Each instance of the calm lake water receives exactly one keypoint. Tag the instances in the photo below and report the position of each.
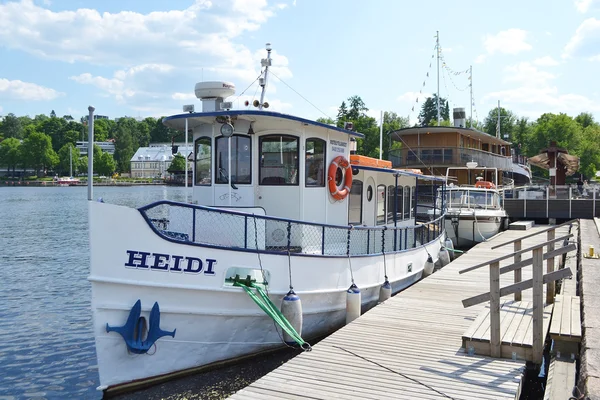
(46, 342)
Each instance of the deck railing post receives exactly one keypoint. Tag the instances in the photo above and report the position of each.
(495, 337)
(594, 202)
(547, 201)
(525, 203)
(538, 304)
(550, 286)
(570, 197)
(517, 272)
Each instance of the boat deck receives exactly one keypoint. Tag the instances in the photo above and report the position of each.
(410, 346)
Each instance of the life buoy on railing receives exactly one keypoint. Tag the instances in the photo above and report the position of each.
(343, 164)
(485, 184)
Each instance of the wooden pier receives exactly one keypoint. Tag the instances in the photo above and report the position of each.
(411, 346)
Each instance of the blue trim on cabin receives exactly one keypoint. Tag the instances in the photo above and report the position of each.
(260, 113)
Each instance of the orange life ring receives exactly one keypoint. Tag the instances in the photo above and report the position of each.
(485, 184)
(337, 193)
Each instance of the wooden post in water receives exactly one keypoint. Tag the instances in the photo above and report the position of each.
(517, 272)
(538, 304)
(495, 337)
(551, 285)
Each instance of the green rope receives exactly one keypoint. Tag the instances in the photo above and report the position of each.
(263, 301)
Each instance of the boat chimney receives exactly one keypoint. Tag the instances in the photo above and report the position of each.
(212, 95)
(460, 117)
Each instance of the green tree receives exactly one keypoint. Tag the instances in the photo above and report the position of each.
(82, 165)
(342, 112)
(11, 127)
(391, 123)
(507, 123)
(104, 164)
(560, 128)
(589, 151)
(429, 110)
(177, 165)
(585, 120)
(64, 164)
(10, 154)
(52, 114)
(53, 127)
(38, 153)
(124, 144)
(327, 120)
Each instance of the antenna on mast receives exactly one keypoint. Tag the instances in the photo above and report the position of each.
(437, 47)
(262, 81)
(471, 87)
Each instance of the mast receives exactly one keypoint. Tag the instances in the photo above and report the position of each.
(471, 87)
(437, 47)
(70, 162)
(498, 123)
(265, 62)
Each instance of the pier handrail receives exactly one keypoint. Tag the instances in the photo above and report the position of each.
(537, 283)
(536, 233)
(483, 264)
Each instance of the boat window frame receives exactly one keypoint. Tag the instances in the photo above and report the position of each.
(210, 166)
(261, 140)
(355, 184)
(384, 215)
(323, 169)
(234, 177)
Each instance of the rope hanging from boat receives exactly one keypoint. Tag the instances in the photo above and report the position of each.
(289, 237)
(348, 254)
(385, 275)
(262, 300)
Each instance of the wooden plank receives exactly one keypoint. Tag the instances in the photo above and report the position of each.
(498, 259)
(576, 317)
(511, 330)
(538, 305)
(481, 319)
(522, 329)
(495, 337)
(527, 284)
(517, 275)
(555, 325)
(550, 286)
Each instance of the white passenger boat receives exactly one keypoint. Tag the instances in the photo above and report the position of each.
(278, 202)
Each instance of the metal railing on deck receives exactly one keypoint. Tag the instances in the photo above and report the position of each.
(417, 156)
(559, 201)
(537, 283)
(227, 229)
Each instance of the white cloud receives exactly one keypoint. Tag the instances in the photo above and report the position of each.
(510, 41)
(19, 90)
(586, 41)
(480, 59)
(534, 93)
(546, 61)
(584, 6)
(411, 97)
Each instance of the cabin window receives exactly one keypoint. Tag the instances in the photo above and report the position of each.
(355, 203)
(315, 163)
(406, 202)
(241, 156)
(278, 160)
(414, 202)
(203, 149)
(369, 193)
(390, 204)
(399, 205)
(381, 205)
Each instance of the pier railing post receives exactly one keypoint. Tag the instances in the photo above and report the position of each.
(547, 201)
(517, 272)
(538, 304)
(550, 286)
(495, 337)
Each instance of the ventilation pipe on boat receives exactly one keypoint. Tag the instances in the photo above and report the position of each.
(449, 245)
(352, 303)
(428, 267)
(212, 95)
(291, 308)
(460, 117)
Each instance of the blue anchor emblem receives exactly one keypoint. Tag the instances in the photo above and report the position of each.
(132, 330)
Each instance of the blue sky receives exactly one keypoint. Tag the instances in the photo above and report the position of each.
(143, 58)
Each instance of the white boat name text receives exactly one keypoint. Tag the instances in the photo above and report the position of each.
(167, 262)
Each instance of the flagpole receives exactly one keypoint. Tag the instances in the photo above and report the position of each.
(381, 137)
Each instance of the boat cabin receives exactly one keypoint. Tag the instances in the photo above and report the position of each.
(282, 166)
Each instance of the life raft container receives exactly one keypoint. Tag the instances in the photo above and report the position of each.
(336, 192)
(485, 184)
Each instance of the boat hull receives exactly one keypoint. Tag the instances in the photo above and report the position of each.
(466, 231)
(214, 320)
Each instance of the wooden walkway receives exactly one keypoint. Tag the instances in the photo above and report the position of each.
(410, 346)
